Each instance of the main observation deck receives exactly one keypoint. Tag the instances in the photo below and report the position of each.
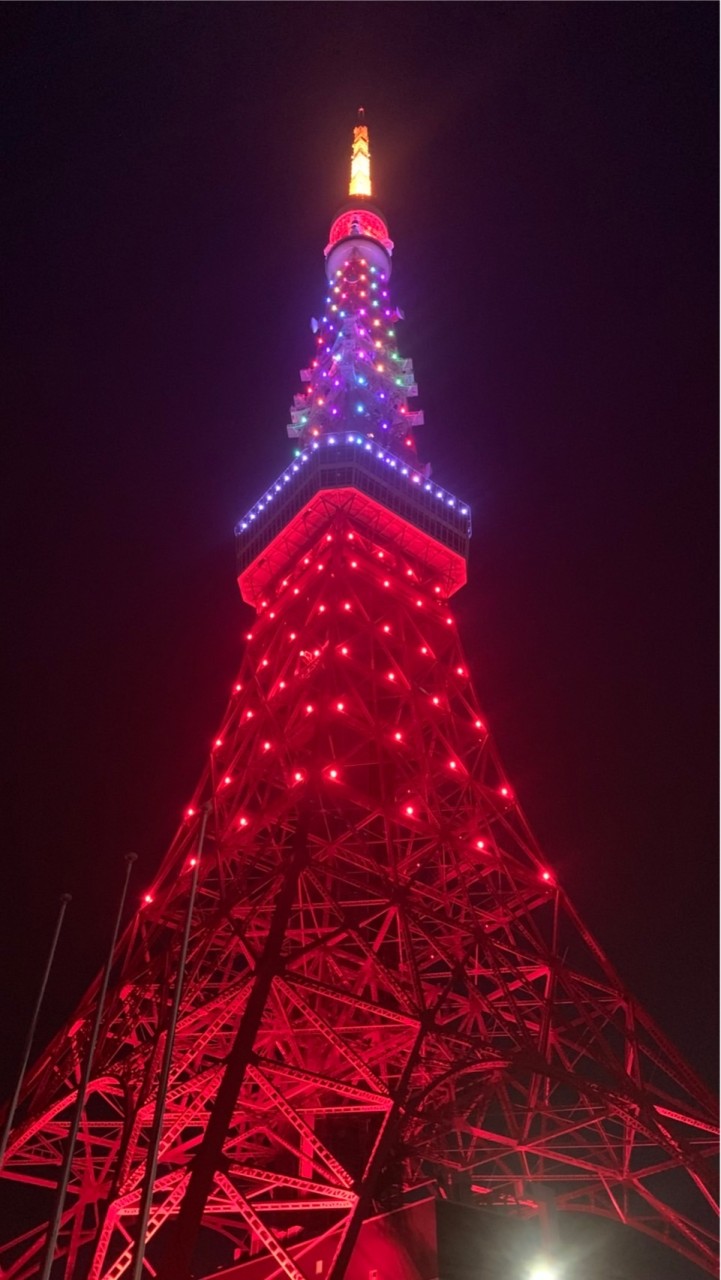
(375, 487)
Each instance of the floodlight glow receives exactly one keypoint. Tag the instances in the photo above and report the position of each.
(544, 1271)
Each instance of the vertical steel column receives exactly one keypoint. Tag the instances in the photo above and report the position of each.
(151, 1162)
(64, 900)
(175, 1265)
(342, 1258)
(54, 1228)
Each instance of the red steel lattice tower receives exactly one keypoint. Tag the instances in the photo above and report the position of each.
(385, 985)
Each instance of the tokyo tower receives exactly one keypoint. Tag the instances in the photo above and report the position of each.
(355, 978)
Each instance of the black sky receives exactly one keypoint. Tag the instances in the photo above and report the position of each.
(549, 172)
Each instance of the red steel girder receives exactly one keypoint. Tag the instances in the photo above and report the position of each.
(433, 990)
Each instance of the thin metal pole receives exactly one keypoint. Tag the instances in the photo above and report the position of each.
(176, 1262)
(64, 900)
(62, 1187)
(151, 1163)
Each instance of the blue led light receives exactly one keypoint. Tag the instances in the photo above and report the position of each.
(395, 463)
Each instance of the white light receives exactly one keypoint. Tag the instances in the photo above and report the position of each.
(544, 1271)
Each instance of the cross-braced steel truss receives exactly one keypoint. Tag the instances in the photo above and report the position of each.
(432, 1006)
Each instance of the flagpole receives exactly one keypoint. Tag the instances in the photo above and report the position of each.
(62, 1187)
(64, 900)
(151, 1165)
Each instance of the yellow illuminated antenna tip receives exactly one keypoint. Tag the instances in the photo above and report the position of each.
(360, 164)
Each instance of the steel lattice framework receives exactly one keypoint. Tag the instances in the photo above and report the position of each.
(385, 984)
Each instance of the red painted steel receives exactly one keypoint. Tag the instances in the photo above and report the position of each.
(433, 927)
(435, 1009)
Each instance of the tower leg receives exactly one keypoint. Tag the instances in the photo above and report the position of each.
(176, 1263)
(375, 1164)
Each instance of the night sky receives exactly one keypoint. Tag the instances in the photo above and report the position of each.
(549, 175)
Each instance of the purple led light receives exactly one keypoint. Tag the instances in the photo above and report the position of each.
(413, 476)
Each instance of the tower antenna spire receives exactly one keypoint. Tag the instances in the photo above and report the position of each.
(360, 165)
